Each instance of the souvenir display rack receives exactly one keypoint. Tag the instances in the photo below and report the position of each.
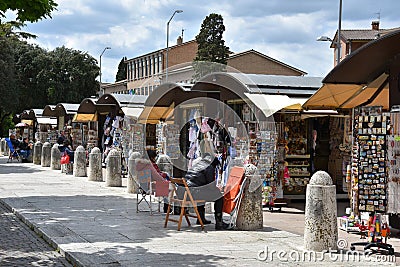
(393, 152)
(137, 138)
(84, 133)
(297, 158)
(172, 141)
(371, 128)
(91, 135)
(160, 137)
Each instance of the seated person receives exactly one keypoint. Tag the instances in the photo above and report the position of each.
(152, 154)
(202, 183)
(14, 141)
(66, 148)
(25, 148)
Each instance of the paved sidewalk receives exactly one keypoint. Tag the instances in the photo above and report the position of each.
(94, 225)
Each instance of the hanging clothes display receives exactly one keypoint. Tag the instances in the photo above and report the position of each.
(393, 152)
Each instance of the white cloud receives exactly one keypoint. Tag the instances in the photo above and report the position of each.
(283, 29)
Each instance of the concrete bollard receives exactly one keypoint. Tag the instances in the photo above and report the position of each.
(79, 168)
(46, 155)
(132, 179)
(113, 168)
(320, 232)
(55, 158)
(95, 172)
(250, 214)
(37, 153)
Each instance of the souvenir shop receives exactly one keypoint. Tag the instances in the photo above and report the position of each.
(285, 147)
(373, 175)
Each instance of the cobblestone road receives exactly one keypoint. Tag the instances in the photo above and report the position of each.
(20, 246)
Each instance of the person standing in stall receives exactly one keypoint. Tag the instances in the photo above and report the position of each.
(106, 143)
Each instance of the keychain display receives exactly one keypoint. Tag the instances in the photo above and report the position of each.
(370, 157)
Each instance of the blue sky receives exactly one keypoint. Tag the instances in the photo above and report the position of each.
(282, 29)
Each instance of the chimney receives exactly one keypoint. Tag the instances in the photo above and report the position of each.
(375, 25)
(179, 41)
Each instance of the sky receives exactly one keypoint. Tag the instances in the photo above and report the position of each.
(285, 30)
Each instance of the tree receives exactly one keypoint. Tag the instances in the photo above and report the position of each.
(32, 10)
(211, 47)
(121, 73)
(70, 76)
(8, 92)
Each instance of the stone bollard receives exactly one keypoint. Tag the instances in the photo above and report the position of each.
(46, 155)
(95, 172)
(2, 147)
(132, 179)
(250, 214)
(165, 164)
(320, 232)
(113, 168)
(37, 153)
(79, 169)
(55, 158)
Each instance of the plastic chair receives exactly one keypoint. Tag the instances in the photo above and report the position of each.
(186, 201)
(14, 154)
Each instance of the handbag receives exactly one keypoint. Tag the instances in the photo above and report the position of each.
(64, 158)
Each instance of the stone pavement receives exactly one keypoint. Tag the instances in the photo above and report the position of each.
(94, 225)
(20, 246)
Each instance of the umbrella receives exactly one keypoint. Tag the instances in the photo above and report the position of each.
(21, 124)
(362, 78)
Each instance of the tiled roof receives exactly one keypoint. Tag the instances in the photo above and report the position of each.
(366, 35)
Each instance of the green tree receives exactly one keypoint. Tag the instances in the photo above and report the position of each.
(211, 47)
(121, 73)
(70, 76)
(32, 10)
(30, 60)
(8, 92)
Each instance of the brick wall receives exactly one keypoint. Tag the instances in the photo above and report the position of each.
(256, 64)
(182, 54)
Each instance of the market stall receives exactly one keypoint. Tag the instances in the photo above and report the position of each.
(84, 125)
(240, 111)
(366, 83)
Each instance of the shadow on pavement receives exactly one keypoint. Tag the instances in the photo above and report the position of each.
(8, 168)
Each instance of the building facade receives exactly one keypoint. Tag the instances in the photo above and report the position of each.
(146, 72)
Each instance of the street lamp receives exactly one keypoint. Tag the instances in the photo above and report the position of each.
(166, 55)
(100, 65)
(338, 44)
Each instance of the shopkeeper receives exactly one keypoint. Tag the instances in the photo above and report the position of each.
(106, 143)
(201, 180)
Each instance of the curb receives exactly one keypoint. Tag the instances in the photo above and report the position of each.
(65, 234)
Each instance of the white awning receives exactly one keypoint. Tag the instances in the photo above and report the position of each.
(269, 104)
(46, 120)
(132, 112)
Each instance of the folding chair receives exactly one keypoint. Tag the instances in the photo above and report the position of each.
(144, 189)
(13, 154)
(186, 201)
(233, 194)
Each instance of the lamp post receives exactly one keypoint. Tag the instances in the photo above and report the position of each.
(166, 55)
(338, 44)
(100, 65)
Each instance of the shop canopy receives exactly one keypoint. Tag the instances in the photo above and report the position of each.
(132, 112)
(49, 111)
(269, 104)
(81, 117)
(87, 106)
(362, 78)
(60, 110)
(46, 120)
(113, 103)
